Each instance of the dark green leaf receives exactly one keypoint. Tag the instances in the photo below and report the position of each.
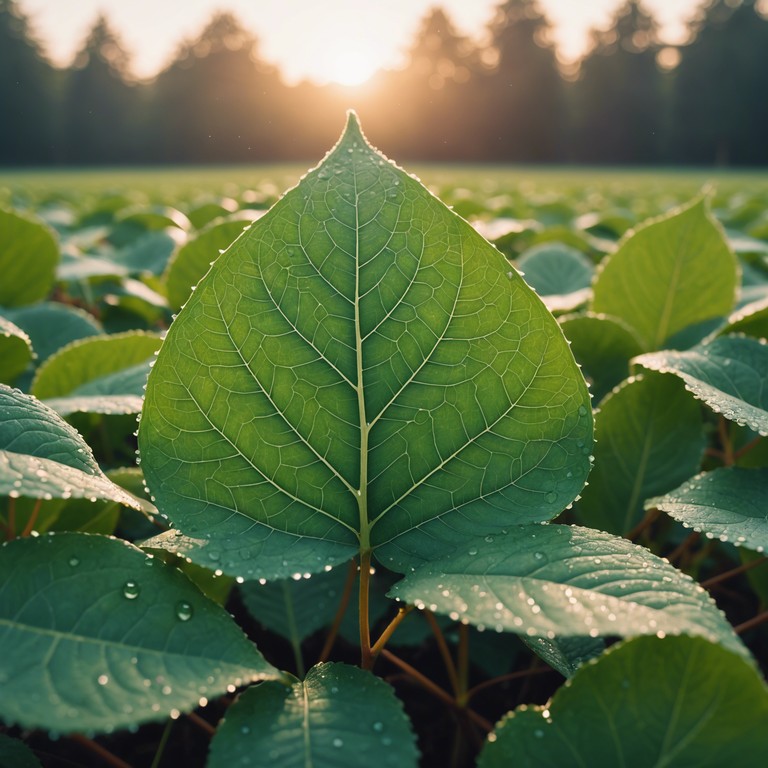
(339, 717)
(678, 702)
(728, 374)
(16, 754)
(96, 635)
(637, 455)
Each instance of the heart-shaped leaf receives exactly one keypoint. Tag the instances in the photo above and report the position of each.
(729, 503)
(678, 701)
(97, 635)
(332, 719)
(557, 580)
(360, 370)
(728, 374)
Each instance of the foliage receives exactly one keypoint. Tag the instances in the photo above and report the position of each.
(366, 442)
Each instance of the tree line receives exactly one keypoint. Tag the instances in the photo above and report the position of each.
(631, 100)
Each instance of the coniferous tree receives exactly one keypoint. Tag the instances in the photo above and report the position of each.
(522, 95)
(27, 94)
(217, 101)
(721, 87)
(618, 107)
(99, 113)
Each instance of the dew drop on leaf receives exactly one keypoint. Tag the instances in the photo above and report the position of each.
(131, 590)
(183, 611)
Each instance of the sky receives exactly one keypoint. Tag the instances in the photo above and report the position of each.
(321, 40)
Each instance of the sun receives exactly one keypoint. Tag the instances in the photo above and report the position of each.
(349, 68)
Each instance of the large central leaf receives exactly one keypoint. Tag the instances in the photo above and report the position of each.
(360, 370)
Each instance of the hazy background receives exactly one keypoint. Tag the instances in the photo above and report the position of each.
(95, 82)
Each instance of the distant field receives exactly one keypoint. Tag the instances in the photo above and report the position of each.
(459, 182)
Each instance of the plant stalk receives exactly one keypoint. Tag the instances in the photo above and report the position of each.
(342, 609)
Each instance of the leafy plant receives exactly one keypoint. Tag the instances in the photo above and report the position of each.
(356, 436)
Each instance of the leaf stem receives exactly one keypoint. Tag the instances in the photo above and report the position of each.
(29, 527)
(333, 633)
(650, 518)
(366, 656)
(682, 548)
(750, 623)
(520, 674)
(97, 749)
(402, 612)
(725, 441)
(463, 665)
(733, 572)
(203, 725)
(442, 646)
(747, 447)
(163, 742)
(436, 690)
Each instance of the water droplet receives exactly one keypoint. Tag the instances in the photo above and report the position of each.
(131, 590)
(551, 497)
(183, 611)
(378, 727)
(582, 411)
(472, 551)
(337, 742)
(103, 679)
(74, 562)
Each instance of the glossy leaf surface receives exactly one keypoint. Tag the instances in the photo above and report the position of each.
(729, 374)
(360, 370)
(333, 719)
(556, 580)
(43, 457)
(96, 635)
(678, 701)
(727, 503)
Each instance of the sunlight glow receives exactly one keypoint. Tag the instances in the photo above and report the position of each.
(349, 68)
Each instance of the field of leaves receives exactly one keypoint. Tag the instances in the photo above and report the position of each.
(398, 473)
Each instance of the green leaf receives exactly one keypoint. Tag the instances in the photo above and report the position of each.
(637, 455)
(15, 351)
(678, 701)
(668, 273)
(295, 608)
(603, 347)
(104, 374)
(96, 635)
(728, 374)
(51, 326)
(16, 754)
(561, 275)
(729, 503)
(28, 258)
(751, 320)
(195, 257)
(333, 719)
(74, 267)
(566, 654)
(149, 253)
(557, 580)
(43, 457)
(360, 370)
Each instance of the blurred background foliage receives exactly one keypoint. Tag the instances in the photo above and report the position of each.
(630, 100)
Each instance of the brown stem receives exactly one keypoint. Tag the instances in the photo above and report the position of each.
(436, 690)
(753, 622)
(747, 448)
(733, 572)
(680, 550)
(442, 646)
(723, 429)
(650, 517)
(463, 665)
(342, 609)
(97, 749)
(203, 725)
(390, 629)
(366, 657)
(523, 673)
(29, 527)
